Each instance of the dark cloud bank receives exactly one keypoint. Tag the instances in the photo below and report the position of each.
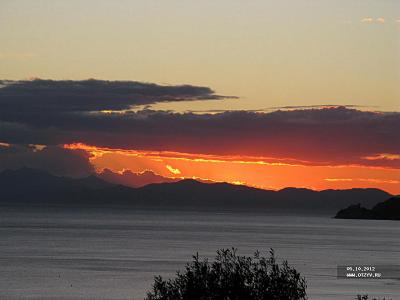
(58, 112)
(56, 160)
(93, 95)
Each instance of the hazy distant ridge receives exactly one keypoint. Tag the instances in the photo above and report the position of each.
(30, 186)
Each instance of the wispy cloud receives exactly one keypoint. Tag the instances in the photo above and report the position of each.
(379, 20)
(373, 180)
(173, 170)
(367, 20)
(387, 156)
(4, 144)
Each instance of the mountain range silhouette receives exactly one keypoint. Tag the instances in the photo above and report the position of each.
(35, 187)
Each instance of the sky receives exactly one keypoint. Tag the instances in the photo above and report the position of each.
(263, 93)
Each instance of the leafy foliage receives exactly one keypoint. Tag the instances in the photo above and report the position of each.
(366, 297)
(232, 277)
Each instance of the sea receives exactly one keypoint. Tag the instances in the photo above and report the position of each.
(87, 253)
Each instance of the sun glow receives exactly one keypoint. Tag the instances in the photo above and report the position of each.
(259, 172)
(173, 170)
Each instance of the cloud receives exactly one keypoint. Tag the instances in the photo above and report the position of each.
(326, 136)
(56, 160)
(367, 20)
(373, 180)
(64, 112)
(132, 179)
(69, 96)
(173, 170)
(379, 20)
(381, 156)
(4, 145)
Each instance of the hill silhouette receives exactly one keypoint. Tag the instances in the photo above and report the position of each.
(131, 179)
(386, 210)
(32, 187)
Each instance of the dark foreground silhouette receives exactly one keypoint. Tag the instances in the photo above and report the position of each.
(232, 277)
(386, 210)
(366, 297)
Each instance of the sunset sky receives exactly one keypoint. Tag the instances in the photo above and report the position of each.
(264, 93)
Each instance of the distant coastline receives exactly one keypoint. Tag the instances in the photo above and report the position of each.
(30, 187)
(386, 210)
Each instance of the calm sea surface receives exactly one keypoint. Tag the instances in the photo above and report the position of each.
(115, 254)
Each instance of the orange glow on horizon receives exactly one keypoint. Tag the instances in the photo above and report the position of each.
(99, 151)
(259, 172)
